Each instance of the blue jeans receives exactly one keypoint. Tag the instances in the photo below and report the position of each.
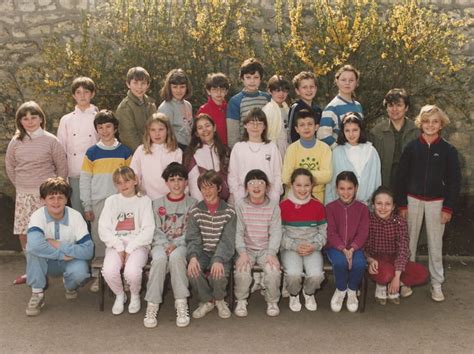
(344, 277)
(75, 271)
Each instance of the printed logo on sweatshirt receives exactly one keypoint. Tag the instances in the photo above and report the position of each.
(161, 211)
(268, 157)
(125, 222)
(173, 225)
(309, 163)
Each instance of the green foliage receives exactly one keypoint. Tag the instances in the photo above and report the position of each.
(403, 45)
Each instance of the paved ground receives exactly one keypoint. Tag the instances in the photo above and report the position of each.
(417, 325)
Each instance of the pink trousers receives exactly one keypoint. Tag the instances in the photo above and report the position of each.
(132, 271)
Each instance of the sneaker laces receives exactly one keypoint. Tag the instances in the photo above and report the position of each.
(151, 311)
(182, 310)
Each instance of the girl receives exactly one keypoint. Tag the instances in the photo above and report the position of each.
(354, 153)
(206, 152)
(33, 155)
(254, 151)
(347, 80)
(176, 89)
(304, 235)
(126, 226)
(348, 227)
(257, 240)
(159, 149)
(388, 253)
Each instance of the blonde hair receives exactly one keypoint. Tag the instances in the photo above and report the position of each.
(429, 110)
(127, 174)
(170, 142)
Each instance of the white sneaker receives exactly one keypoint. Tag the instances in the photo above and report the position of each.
(118, 306)
(203, 309)
(295, 304)
(94, 288)
(310, 302)
(405, 291)
(182, 312)
(352, 303)
(381, 294)
(150, 316)
(71, 294)
(394, 298)
(35, 304)
(135, 304)
(337, 300)
(241, 308)
(437, 294)
(222, 309)
(272, 309)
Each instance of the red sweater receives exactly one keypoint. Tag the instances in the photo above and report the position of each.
(348, 224)
(218, 115)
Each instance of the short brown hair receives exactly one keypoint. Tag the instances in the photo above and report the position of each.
(217, 80)
(55, 185)
(304, 75)
(210, 177)
(138, 73)
(176, 77)
(278, 82)
(251, 66)
(395, 95)
(28, 107)
(257, 115)
(84, 82)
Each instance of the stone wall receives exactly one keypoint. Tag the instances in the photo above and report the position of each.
(24, 24)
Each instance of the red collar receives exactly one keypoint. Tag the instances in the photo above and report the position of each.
(423, 141)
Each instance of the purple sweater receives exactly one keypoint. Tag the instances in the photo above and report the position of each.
(348, 225)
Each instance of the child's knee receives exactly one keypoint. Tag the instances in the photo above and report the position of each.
(132, 273)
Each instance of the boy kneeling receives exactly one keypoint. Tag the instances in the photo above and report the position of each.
(210, 242)
(58, 244)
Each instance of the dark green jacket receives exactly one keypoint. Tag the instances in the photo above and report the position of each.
(132, 115)
(384, 142)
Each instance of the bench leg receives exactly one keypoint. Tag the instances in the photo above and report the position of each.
(363, 292)
(101, 291)
(230, 291)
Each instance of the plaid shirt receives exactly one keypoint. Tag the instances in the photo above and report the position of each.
(388, 237)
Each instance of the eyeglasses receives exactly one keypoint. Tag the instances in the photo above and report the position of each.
(256, 182)
(256, 123)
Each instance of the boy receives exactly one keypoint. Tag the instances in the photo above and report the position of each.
(58, 244)
(277, 112)
(136, 108)
(391, 136)
(169, 247)
(428, 184)
(210, 243)
(309, 153)
(305, 88)
(76, 133)
(217, 86)
(251, 75)
(100, 162)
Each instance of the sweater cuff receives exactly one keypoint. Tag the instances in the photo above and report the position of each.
(447, 210)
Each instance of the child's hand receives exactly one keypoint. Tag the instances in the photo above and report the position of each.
(445, 217)
(243, 262)
(373, 266)
(394, 285)
(54, 243)
(170, 248)
(194, 269)
(273, 262)
(217, 270)
(68, 258)
(305, 249)
(89, 215)
(348, 254)
(122, 258)
(403, 213)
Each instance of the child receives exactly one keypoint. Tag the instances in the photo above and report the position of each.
(169, 248)
(354, 153)
(96, 184)
(159, 149)
(251, 75)
(306, 88)
(308, 153)
(76, 133)
(210, 243)
(32, 156)
(387, 251)
(429, 180)
(126, 226)
(391, 135)
(136, 108)
(58, 244)
(176, 89)
(304, 235)
(277, 112)
(217, 86)
(347, 80)
(206, 152)
(255, 151)
(257, 240)
(348, 227)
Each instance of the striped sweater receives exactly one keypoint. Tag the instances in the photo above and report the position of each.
(214, 234)
(303, 222)
(258, 226)
(30, 162)
(99, 164)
